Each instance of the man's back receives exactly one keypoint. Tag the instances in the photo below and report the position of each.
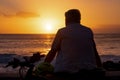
(73, 46)
(76, 51)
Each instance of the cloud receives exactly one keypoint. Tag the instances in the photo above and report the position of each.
(18, 8)
(26, 14)
(3, 14)
(21, 14)
(8, 6)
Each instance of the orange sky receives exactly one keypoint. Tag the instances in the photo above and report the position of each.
(47, 16)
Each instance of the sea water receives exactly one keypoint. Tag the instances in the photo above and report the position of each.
(18, 45)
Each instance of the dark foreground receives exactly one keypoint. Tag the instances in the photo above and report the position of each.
(110, 75)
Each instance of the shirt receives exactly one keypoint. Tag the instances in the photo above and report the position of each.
(74, 46)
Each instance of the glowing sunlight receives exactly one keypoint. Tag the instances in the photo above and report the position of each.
(48, 25)
(47, 16)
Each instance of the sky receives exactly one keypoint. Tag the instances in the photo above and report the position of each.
(47, 16)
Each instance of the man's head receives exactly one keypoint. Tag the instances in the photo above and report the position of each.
(72, 16)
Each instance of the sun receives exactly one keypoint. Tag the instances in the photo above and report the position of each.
(48, 27)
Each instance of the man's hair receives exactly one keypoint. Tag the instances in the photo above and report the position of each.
(73, 15)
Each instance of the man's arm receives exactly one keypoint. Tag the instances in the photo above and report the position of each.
(55, 48)
(50, 56)
(98, 60)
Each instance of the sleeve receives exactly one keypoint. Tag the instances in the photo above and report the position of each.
(98, 60)
(54, 48)
(57, 41)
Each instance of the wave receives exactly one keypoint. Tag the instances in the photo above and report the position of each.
(114, 58)
(5, 58)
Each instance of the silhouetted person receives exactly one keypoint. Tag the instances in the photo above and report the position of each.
(74, 47)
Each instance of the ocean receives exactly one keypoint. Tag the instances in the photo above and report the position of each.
(18, 45)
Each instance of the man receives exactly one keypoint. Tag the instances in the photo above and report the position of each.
(74, 47)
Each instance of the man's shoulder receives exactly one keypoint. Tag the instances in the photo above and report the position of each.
(85, 27)
(62, 29)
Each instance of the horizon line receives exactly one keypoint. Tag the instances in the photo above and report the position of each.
(54, 33)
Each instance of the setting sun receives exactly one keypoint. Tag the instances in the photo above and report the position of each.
(48, 27)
